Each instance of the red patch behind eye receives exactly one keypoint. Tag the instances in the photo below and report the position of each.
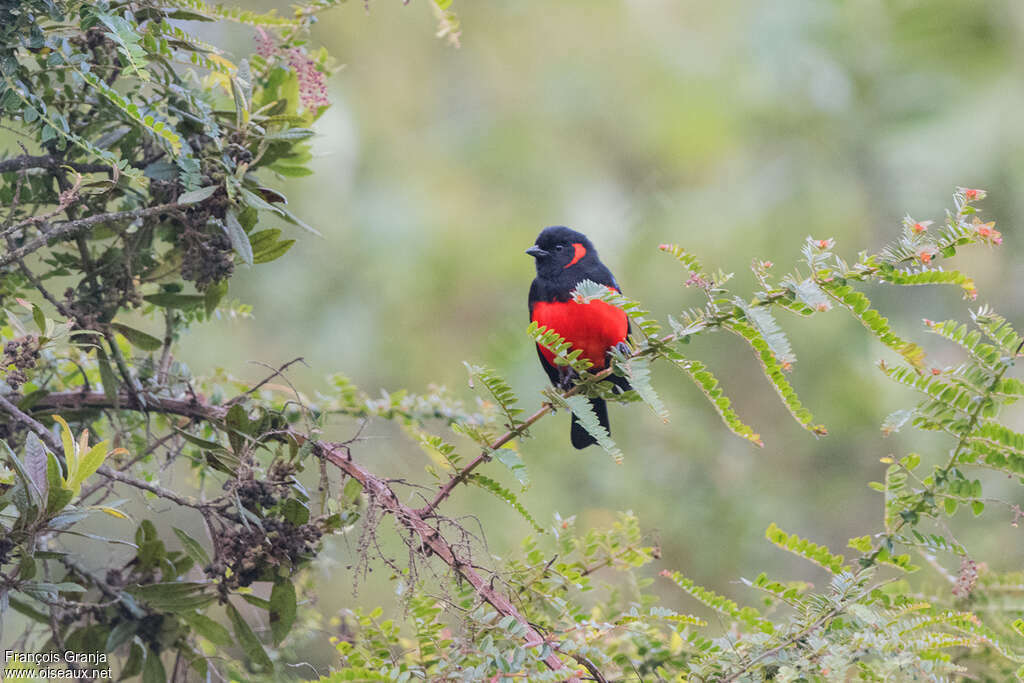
(580, 252)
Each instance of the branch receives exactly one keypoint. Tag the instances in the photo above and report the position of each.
(77, 400)
(49, 162)
(51, 441)
(431, 541)
(67, 228)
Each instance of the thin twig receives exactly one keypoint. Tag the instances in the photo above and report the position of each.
(72, 227)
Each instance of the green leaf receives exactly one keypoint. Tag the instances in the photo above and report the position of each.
(213, 295)
(719, 603)
(175, 300)
(196, 196)
(498, 389)
(144, 341)
(488, 484)
(208, 628)
(247, 639)
(511, 459)
(931, 277)
(709, 386)
(584, 412)
(193, 548)
(587, 290)
(638, 371)
(172, 596)
(239, 240)
(34, 495)
(154, 671)
(291, 134)
(88, 464)
(775, 374)
(860, 306)
(136, 657)
(282, 609)
(108, 378)
(818, 554)
(273, 252)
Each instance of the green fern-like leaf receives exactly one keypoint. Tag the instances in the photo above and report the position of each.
(563, 352)
(787, 592)
(931, 276)
(999, 436)
(499, 390)
(684, 257)
(817, 554)
(773, 370)
(709, 386)
(493, 487)
(235, 14)
(762, 320)
(809, 293)
(953, 396)
(998, 330)
(129, 43)
(720, 603)
(638, 371)
(160, 130)
(584, 412)
(876, 323)
(60, 128)
(588, 290)
(661, 614)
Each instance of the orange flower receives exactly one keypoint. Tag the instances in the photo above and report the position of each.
(936, 371)
(974, 194)
(926, 255)
(920, 226)
(987, 231)
(825, 244)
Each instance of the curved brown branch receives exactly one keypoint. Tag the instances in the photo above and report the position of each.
(432, 542)
(67, 228)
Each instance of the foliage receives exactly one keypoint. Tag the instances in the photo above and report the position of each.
(144, 183)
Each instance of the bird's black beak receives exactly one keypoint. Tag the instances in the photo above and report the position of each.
(536, 252)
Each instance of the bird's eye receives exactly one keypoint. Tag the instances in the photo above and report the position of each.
(559, 248)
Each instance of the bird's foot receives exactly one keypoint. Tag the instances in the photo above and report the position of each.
(623, 348)
(566, 375)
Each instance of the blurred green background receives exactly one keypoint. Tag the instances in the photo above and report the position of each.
(732, 128)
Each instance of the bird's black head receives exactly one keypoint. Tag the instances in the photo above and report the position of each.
(558, 248)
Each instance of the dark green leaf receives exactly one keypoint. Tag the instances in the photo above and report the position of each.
(239, 240)
(144, 341)
(193, 548)
(282, 609)
(248, 640)
(196, 196)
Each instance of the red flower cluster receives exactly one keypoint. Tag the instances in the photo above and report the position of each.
(967, 578)
(265, 45)
(987, 231)
(312, 82)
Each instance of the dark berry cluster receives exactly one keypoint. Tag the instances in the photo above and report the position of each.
(208, 258)
(250, 552)
(20, 356)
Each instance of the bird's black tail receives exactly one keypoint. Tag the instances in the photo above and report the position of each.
(581, 438)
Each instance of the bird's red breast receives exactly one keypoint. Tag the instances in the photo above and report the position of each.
(594, 327)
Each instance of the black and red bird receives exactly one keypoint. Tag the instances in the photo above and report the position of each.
(564, 258)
